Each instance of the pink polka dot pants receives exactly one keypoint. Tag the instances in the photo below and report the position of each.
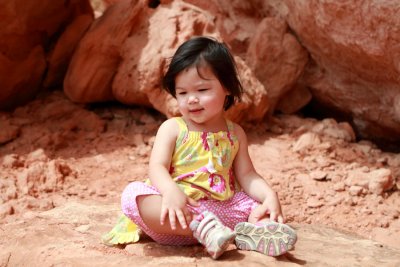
(230, 212)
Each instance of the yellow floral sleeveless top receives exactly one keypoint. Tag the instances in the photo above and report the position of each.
(201, 165)
(202, 162)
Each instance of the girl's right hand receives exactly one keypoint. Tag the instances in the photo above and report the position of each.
(173, 204)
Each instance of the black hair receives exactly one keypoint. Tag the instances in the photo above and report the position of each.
(216, 55)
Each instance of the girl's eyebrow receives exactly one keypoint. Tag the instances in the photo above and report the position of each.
(200, 84)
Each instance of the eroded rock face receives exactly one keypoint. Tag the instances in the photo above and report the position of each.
(342, 54)
(236, 20)
(146, 52)
(129, 62)
(21, 78)
(278, 60)
(355, 53)
(95, 61)
(60, 56)
(29, 45)
(256, 32)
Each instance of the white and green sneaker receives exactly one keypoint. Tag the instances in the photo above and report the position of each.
(270, 238)
(212, 234)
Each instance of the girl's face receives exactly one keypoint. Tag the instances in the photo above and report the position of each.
(200, 99)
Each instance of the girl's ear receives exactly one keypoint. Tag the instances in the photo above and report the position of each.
(229, 101)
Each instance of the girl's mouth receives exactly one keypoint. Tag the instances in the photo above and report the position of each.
(195, 110)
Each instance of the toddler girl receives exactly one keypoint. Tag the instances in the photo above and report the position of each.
(202, 185)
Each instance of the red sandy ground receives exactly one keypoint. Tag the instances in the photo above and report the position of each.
(60, 152)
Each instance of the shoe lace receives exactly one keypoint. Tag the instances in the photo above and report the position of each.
(206, 225)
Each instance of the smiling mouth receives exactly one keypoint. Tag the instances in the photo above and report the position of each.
(195, 110)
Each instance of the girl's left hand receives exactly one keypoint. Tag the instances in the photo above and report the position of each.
(272, 206)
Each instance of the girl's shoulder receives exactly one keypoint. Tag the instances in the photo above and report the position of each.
(170, 127)
(233, 126)
(171, 122)
(237, 130)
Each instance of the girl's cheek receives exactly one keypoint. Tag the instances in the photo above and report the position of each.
(181, 106)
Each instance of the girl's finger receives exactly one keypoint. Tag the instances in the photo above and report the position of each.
(280, 219)
(181, 218)
(163, 215)
(273, 216)
(172, 219)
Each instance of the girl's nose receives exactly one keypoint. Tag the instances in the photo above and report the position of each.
(193, 99)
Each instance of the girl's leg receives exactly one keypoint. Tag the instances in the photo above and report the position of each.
(205, 227)
(264, 236)
(150, 209)
(232, 211)
(129, 202)
(211, 233)
(142, 204)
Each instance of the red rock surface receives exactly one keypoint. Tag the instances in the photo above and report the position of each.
(355, 54)
(278, 60)
(37, 40)
(351, 50)
(128, 64)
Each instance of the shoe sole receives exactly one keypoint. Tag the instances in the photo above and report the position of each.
(272, 239)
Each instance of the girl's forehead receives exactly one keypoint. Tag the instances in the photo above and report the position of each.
(203, 71)
(194, 76)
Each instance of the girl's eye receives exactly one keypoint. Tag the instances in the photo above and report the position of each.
(182, 93)
(202, 90)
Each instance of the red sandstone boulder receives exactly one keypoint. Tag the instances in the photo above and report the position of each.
(353, 64)
(137, 43)
(21, 77)
(95, 61)
(354, 46)
(273, 54)
(278, 60)
(28, 34)
(236, 20)
(60, 56)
